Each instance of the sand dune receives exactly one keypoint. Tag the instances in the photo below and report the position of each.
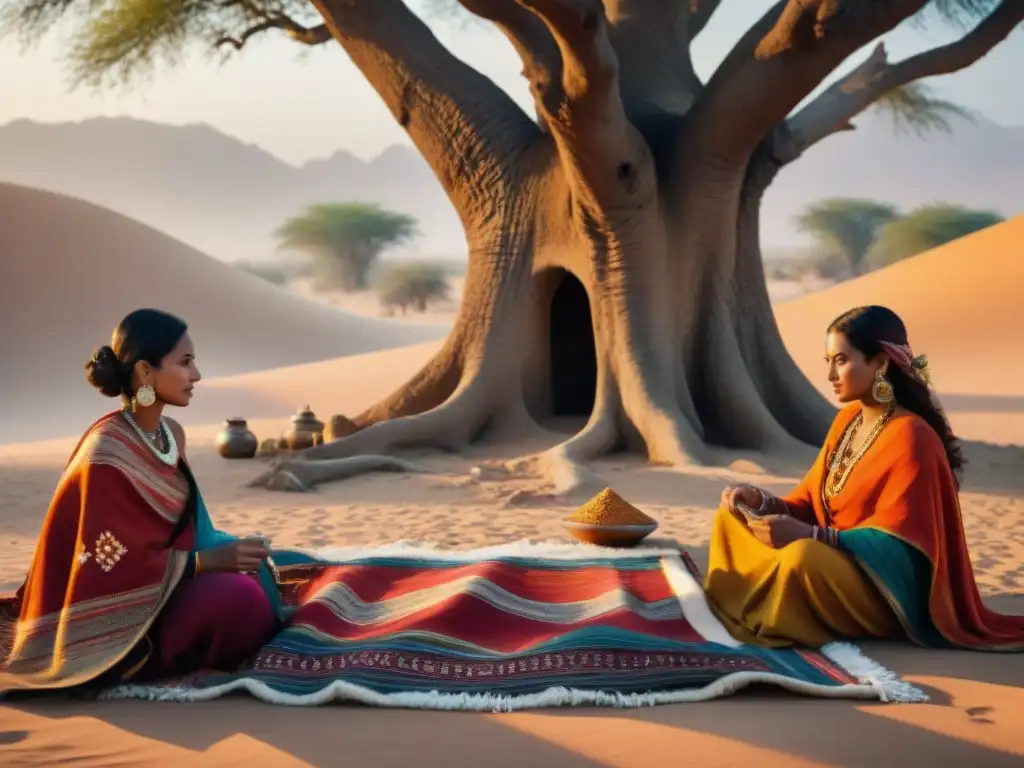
(953, 300)
(70, 270)
(961, 303)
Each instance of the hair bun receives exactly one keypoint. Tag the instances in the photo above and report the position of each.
(104, 371)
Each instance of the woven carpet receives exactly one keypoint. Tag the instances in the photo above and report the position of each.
(513, 627)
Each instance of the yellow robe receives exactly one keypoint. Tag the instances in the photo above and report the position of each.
(901, 565)
(807, 593)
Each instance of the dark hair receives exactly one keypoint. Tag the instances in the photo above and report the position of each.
(865, 328)
(146, 335)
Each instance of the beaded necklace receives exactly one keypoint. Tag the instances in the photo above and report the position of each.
(152, 439)
(843, 460)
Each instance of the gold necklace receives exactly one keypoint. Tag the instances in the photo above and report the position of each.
(844, 460)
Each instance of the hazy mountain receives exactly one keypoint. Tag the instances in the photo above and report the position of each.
(226, 197)
(980, 164)
(210, 190)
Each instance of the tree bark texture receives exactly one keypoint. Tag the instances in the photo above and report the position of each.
(615, 271)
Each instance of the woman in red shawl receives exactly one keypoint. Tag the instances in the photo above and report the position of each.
(129, 579)
(871, 543)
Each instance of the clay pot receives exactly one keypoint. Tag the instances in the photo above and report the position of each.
(236, 441)
(307, 430)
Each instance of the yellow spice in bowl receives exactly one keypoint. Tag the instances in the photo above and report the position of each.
(608, 508)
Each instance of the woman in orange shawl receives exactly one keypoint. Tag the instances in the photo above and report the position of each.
(129, 579)
(871, 543)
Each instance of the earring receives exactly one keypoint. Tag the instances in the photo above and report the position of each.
(881, 390)
(145, 396)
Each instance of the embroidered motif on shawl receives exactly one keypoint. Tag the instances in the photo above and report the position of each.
(103, 567)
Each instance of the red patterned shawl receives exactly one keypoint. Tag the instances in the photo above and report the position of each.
(102, 569)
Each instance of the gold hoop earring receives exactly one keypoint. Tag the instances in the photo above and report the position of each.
(881, 390)
(145, 396)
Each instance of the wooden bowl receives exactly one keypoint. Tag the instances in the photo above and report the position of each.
(610, 535)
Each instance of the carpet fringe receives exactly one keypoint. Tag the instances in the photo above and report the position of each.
(877, 683)
(890, 686)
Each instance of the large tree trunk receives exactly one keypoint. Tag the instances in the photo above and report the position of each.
(790, 397)
(615, 271)
(557, 322)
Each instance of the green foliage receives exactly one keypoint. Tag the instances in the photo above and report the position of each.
(925, 228)
(413, 284)
(846, 227)
(452, 267)
(120, 41)
(345, 240)
(830, 266)
(914, 108)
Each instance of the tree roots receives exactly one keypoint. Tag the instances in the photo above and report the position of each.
(302, 475)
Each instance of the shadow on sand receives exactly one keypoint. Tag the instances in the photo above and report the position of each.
(963, 724)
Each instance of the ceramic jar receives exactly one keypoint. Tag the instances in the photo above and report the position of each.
(236, 441)
(307, 430)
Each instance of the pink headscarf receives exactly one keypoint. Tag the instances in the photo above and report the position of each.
(913, 367)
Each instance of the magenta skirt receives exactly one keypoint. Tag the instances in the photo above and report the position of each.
(212, 621)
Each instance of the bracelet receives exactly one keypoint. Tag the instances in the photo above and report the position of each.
(825, 535)
(766, 503)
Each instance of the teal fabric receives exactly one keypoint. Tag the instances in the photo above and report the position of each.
(904, 575)
(209, 537)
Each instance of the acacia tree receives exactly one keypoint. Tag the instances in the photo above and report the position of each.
(846, 226)
(634, 177)
(345, 239)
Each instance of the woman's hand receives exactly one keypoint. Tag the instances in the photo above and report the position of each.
(779, 530)
(237, 557)
(742, 494)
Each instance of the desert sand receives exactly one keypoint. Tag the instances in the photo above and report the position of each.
(71, 269)
(957, 301)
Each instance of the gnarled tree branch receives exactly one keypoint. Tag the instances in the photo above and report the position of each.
(532, 40)
(777, 63)
(266, 20)
(833, 110)
(466, 127)
(652, 41)
(589, 64)
(317, 35)
(595, 139)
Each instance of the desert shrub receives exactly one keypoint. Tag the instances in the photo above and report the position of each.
(412, 284)
(831, 266)
(925, 228)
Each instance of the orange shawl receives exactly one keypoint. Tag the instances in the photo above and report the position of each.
(899, 517)
(103, 567)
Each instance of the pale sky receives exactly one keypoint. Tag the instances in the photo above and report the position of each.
(301, 104)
